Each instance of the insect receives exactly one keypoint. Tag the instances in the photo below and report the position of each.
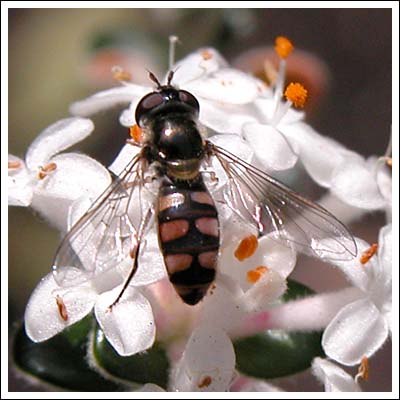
(172, 152)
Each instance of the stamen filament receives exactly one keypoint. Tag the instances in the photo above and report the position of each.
(172, 46)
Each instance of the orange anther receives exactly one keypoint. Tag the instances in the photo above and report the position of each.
(44, 171)
(367, 254)
(62, 309)
(136, 133)
(255, 274)
(363, 369)
(246, 248)
(297, 94)
(205, 382)
(14, 164)
(389, 161)
(120, 74)
(206, 55)
(283, 46)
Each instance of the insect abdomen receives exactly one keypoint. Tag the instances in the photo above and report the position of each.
(188, 232)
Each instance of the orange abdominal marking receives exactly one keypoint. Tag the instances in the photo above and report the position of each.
(202, 198)
(46, 170)
(14, 164)
(205, 382)
(367, 254)
(136, 133)
(297, 94)
(246, 248)
(170, 200)
(174, 229)
(283, 46)
(208, 259)
(61, 308)
(208, 226)
(178, 262)
(255, 274)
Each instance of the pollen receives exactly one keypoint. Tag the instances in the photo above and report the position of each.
(14, 164)
(120, 74)
(246, 248)
(283, 46)
(255, 274)
(368, 254)
(389, 162)
(136, 133)
(46, 170)
(205, 382)
(206, 55)
(62, 309)
(363, 369)
(297, 94)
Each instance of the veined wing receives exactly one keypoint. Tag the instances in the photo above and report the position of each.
(272, 207)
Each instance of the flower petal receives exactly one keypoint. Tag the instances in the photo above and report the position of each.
(108, 98)
(358, 330)
(129, 325)
(207, 364)
(356, 185)
(76, 176)
(20, 189)
(270, 147)
(56, 138)
(124, 157)
(43, 318)
(150, 387)
(333, 377)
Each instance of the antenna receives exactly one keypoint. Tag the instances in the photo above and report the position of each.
(154, 79)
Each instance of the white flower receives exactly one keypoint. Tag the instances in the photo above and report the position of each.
(50, 182)
(361, 327)
(333, 377)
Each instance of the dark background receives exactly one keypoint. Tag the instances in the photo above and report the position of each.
(52, 51)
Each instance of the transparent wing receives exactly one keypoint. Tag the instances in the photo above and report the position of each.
(108, 232)
(272, 207)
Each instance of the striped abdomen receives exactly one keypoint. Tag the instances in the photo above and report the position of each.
(188, 233)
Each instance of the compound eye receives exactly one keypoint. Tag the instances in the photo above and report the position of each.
(148, 102)
(189, 99)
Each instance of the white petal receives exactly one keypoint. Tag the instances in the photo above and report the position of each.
(124, 157)
(127, 117)
(258, 385)
(333, 377)
(42, 315)
(76, 176)
(150, 387)
(267, 108)
(56, 138)
(358, 330)
(384, 182)
(207, 363)
(356, 185)
(225, 118)
(270, 147)
(226, 86)
(20, 183)
(108, 98)
(201, 63)
(385, 252)
(129, 326)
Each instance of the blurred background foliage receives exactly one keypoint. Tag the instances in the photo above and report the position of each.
(57, 56)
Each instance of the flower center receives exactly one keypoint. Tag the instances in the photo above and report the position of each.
(255, 274)
(246, 248)
(297, 94)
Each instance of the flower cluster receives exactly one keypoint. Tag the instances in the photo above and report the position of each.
(252, 120)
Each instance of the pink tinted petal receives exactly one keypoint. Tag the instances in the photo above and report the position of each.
(356, 185)
(207, 364)
(358, 330)
(108, 98)
(129, 325)
(42, 315)
(271, 148)
(333, 377)
(56, 138)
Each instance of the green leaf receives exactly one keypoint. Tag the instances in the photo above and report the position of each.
(276, 353)
(151, 366)
(61, 360)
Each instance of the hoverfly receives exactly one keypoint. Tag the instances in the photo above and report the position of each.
(174, 151)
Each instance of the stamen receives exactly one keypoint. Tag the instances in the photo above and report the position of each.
(389, 162)
(14, 164)
(283, 46)
(62, 309)
(172, 46)
(367, 254)
(205, 382)
(46, 170)
(120, 74)
(297, 94)
(136, 133)
(207, 55)
(363, 370)
(246, 248)
(255, 274)
(270, 72)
